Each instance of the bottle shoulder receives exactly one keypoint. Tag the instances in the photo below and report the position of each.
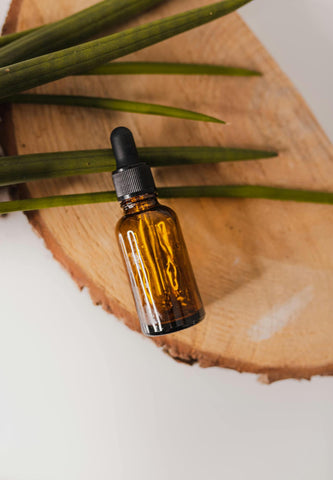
(155, 214)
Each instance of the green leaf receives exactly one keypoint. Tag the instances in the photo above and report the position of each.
(113, 104)
(73, 29)
(153, 68)
(229, 191)
(249, 191)
(56, 201)
(82, 58)
(11, 37)
(24, 168)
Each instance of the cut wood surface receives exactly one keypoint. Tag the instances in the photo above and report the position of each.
(264, 268)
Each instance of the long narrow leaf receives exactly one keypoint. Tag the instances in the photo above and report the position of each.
(82, 58)
(73, 29)
(158, 68)
(229, 191)
(11, 37)
(24, 168)
(113, 104)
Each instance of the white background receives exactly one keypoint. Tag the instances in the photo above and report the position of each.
(82, 397)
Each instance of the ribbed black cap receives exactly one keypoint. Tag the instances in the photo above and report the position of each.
(132, 177)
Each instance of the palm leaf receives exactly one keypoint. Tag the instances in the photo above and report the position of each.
(158, 68)
(229, 191)
(113, 104)
(11, 37)
(82, 58)
(72, 29)
(25, 168)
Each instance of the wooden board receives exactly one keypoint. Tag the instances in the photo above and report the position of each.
(264, 268)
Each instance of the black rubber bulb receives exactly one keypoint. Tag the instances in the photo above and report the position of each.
(133, 177)
(124, 148)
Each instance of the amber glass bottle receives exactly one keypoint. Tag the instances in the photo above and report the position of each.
(150, 238)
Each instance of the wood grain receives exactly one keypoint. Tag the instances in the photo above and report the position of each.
(264, 268)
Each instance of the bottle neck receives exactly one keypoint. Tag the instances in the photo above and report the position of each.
(139, 203)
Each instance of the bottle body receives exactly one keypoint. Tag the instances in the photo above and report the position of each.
(161, 276)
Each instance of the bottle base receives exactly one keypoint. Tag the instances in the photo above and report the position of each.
(176, 325)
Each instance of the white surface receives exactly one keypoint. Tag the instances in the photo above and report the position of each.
(82, 397)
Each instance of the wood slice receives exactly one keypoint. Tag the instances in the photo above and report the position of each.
(264, 268)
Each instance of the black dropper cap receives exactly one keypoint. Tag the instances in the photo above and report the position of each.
(132, 177)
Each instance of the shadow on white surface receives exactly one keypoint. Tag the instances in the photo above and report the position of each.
(82, 397)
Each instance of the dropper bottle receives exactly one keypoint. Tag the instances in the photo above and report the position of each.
(150, 238)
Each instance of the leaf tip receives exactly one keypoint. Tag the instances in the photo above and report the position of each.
(215, 120)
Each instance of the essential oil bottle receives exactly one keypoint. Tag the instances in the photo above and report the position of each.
(150, 238)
